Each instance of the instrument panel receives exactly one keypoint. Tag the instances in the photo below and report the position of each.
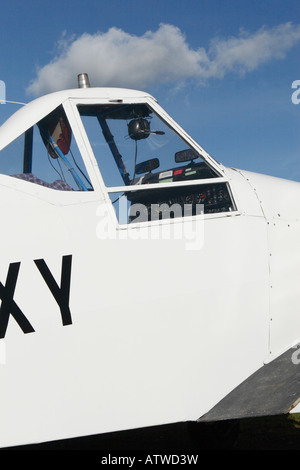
(179, 201)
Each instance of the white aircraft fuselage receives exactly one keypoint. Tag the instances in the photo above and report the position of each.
(110, 321)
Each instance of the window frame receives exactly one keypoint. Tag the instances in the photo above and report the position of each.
(51, 195)
(108, 190)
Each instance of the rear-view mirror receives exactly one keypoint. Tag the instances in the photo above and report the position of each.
(148, 165)
(185, 155)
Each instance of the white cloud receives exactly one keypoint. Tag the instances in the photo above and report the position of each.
(116, 58)
(248, 51)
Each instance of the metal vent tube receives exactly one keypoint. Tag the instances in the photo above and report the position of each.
(83, 80)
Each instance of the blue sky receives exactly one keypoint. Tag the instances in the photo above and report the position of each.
(223, 69)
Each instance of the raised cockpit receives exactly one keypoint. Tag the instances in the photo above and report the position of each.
(126, 140)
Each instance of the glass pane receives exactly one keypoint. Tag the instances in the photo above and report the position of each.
(171, 202)
(133, 145)
(47, 155)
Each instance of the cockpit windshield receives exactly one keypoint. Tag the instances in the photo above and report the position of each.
(133, 146)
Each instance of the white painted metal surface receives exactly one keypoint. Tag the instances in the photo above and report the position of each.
(162, 328)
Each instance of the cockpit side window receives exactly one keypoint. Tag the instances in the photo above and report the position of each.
(47, 155)
(144, 161)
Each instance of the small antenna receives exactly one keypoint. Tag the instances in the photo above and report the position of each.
(83, 80)
(12, 102)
